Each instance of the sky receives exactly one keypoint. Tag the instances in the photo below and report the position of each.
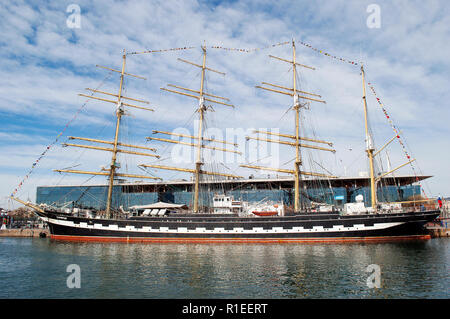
(49, 52)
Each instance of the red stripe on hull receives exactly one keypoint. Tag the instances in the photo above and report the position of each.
(241, 240)
(265, 213)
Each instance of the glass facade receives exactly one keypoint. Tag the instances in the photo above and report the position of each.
(95, 196)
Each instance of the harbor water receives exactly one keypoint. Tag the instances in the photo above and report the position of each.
(44, 268)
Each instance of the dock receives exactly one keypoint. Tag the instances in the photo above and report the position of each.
(441, 228)
(438, 231)
(25, 232)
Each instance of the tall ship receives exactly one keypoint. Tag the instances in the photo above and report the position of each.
(227, 219)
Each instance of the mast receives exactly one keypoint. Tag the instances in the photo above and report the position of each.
(119, 112)
(298, 161)
(369, 147)
(201, 108)
(201, 96)
(113, 167)
(371, 153)
(294, 93)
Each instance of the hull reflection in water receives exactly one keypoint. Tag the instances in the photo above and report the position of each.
(37, 269)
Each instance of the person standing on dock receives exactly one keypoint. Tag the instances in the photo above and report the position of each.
(439, 202)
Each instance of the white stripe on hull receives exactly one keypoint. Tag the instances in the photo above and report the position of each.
(237, 230)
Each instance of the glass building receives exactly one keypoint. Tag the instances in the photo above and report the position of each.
(336, 191)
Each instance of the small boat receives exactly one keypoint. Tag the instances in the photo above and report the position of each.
(265, 213)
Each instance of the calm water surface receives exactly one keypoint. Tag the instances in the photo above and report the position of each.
(36, 268)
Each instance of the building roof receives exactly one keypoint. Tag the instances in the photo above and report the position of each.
(276, 181)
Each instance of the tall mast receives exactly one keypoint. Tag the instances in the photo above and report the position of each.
(201, 96)
(298, 162)
(119, 112)
(111, 172)
(295, 93)
(369, 147)
(201, 108)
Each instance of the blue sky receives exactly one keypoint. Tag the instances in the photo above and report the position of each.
(45, 64)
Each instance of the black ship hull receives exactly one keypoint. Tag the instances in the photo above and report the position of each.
(196, 228)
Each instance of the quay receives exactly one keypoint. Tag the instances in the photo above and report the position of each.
(25, 232)
(441, 229)
(437, 232)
